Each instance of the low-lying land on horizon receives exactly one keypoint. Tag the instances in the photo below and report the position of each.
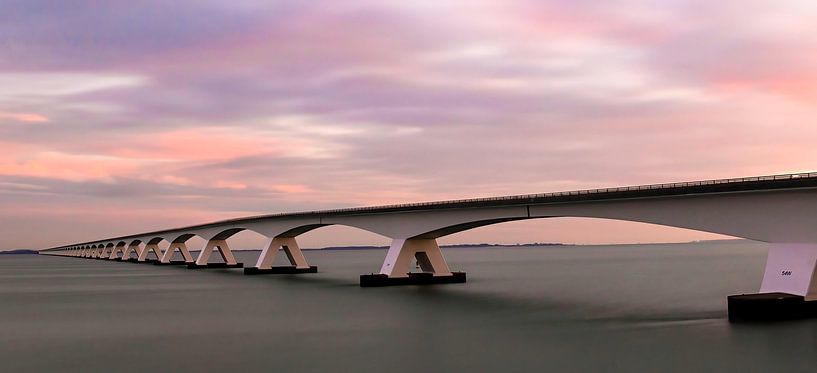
(18, 252)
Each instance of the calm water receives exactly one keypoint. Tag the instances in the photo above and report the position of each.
(584, 308)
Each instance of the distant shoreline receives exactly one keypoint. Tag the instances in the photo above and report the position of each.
(19, 252)
(532, 244)
(445, 246)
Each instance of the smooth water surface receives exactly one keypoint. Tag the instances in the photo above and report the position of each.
(561, 308)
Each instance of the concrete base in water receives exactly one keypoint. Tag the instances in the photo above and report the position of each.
(377, 279)
(170, 263)
(134, 260)
(769, 307)
(279, 270)
(214, 265)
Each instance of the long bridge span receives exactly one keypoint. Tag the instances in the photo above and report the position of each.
(778, 209)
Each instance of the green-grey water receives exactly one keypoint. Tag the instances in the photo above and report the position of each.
(571, 308)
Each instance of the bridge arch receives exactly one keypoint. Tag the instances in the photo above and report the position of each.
(467, 226)
(177, 242)
(104, 250)
(155, 240)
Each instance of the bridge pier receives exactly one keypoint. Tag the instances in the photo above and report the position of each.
(293, 252)
(789, 288)
(167, 257)
(152, 247)
(223, 249)
(116, 249)
(133, 246)
(104, 253)
(396, 268)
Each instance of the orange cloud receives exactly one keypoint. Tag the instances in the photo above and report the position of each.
(291, 188)
(204, 144)
(64, 166)
(802, 88)
(199, 144)
(23, 117)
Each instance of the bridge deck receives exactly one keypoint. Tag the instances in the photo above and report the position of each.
(759, 183)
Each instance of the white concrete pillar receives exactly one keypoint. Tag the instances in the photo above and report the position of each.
(115, 251)
(424, 250)
(105, 251)
(790, 268)
(223, 249)
(134, 246)
(181, 247)
(154, 247)
(290, 247)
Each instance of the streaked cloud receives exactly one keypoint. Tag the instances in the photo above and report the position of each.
(196, 110)
(23, 117)
(25, 85)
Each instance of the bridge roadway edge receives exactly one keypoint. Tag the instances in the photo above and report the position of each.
(765, 305)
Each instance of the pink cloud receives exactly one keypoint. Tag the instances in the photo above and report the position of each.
(23, 117)
(798, 86)
(70, 167)
(202, 144)
(506, 97)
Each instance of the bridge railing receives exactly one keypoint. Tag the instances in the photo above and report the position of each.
(581, 192)
(521, 197)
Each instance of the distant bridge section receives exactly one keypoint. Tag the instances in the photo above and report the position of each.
(778, 209)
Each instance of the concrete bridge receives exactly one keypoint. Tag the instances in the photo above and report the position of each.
(778, 209)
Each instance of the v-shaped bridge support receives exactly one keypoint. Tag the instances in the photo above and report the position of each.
(293, 252)
(154, 248)
(226, 254)
(396, 269)
(167, 256)
(789, 288)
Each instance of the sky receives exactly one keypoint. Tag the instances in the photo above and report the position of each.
(119, 117)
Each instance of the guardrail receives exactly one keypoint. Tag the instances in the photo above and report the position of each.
(803, 175)
(487, 200)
